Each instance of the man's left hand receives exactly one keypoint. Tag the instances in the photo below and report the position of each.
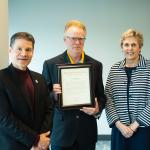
(91, 110)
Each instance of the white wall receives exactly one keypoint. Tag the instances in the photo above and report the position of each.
(3, 33)
(105, 20)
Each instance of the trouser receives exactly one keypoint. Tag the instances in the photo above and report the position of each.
(139, 141)
(75, 146)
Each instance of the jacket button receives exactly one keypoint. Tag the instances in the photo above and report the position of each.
(77, 116)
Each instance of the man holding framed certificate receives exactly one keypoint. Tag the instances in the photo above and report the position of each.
(76, 87)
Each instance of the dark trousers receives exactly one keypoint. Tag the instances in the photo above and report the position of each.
(75, 146)
(139, 141)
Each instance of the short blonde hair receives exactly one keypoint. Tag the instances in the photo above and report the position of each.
(132, 33)
(75, 23)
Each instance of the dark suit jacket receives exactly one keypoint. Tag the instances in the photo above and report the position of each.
(71, 125)
(19, 124)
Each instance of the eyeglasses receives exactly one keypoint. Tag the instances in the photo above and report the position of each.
(74, 39)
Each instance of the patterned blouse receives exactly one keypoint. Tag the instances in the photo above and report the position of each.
(128, 99)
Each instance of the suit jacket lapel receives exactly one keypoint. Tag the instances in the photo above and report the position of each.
(36, 89)
(86, 59)
(66, 58)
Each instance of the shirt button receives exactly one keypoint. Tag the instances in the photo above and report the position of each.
(77, 116)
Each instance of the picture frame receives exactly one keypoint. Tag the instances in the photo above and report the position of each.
(76, 86)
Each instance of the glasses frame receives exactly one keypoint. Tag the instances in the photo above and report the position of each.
(74, 39)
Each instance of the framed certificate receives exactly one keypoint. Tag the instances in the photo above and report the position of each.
(75, 81)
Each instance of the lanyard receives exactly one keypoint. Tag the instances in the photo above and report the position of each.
(81, 60)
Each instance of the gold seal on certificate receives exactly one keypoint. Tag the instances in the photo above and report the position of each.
(75, 80)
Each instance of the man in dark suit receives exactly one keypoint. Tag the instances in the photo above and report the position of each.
(74, 129)
(25, 108)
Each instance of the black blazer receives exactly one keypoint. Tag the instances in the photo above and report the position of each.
(19, 123)
(71, 125)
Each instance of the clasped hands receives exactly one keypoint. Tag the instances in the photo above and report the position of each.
(87, 110)
(127, 131)
(43, 143)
